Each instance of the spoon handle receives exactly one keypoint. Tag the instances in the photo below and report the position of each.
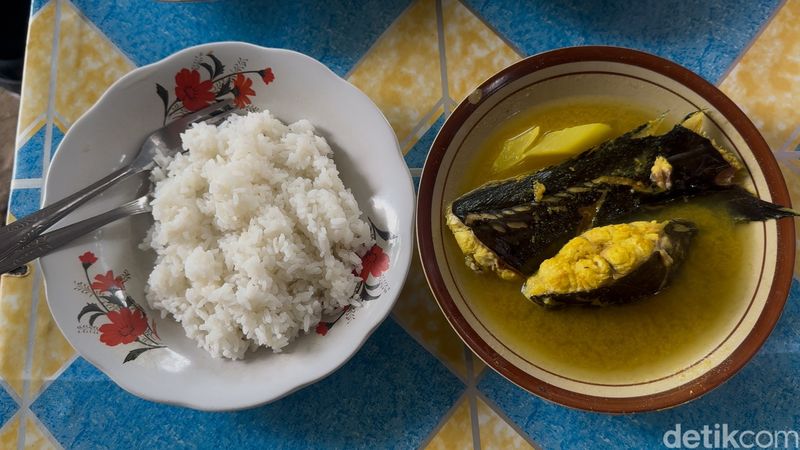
(19, 233)
(52, 240)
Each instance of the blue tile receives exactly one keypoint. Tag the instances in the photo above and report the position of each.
(703, 36)
(24, 201)
(391, 394)
(763, 396)
(36, 5)
(337, 33)
(7, 406)
(57, 137)
(28, 160)
(416, 156)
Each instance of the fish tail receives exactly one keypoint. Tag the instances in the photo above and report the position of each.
(744, 207)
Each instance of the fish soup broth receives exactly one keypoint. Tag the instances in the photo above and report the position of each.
(635, 342)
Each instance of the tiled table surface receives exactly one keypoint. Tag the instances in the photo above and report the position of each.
(413, 384)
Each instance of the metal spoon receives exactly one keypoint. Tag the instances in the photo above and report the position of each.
(55, 239)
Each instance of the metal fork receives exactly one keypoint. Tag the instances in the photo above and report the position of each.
(52, 240)
(165, 140)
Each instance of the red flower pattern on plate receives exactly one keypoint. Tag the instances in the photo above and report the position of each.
(374, 263)
(107, 282)
(194, 94)
(266, 75)
(208, 80)
(126, 326)
(87, 259)
(322, 328)
(126, 322)
(241, 90)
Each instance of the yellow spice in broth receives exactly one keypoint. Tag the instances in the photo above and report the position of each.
(635, 342)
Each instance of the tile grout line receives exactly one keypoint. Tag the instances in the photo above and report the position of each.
(422, 122)
(25, 74)
(99, 32)
(10, 391)
(500, 413)
(787, 163)
(750, 44)
(452, 105)
(494, 407)
(357, 64)
(10, 419)
(37, 13)
(494, 30)
(26, 371)
(425, 346)
(790, 155)
(23, 136)
(25, 411)
(67, 124)
(785, 146)
(21, 183)
(442, 57)
(51, 95)
(14, 396)
(445, 418)
(37, 275)
(48, 381)
(46, 431)
(26, 183)
(471, 396)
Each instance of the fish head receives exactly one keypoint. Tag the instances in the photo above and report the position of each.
(696, 163)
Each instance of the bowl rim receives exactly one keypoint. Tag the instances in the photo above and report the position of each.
(696, 387)
(402, 264)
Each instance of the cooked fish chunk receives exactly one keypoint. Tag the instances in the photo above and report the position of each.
(477, 256)
(524, 220)
(612, 264)
(661, 173)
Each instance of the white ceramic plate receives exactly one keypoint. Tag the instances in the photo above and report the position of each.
(151, 357)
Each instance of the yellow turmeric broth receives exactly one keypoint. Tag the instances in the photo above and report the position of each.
(635, 342)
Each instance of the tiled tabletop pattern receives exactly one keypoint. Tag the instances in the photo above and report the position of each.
(413, 384)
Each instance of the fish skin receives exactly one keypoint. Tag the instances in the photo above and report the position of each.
(647, 279)
(627, 156)
(601, 186)
(745, 207)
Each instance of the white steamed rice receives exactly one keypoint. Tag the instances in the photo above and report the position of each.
(255, 234)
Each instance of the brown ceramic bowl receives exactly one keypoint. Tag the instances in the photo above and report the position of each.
(649, 82)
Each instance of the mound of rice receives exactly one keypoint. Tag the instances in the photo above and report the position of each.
(255, 234)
